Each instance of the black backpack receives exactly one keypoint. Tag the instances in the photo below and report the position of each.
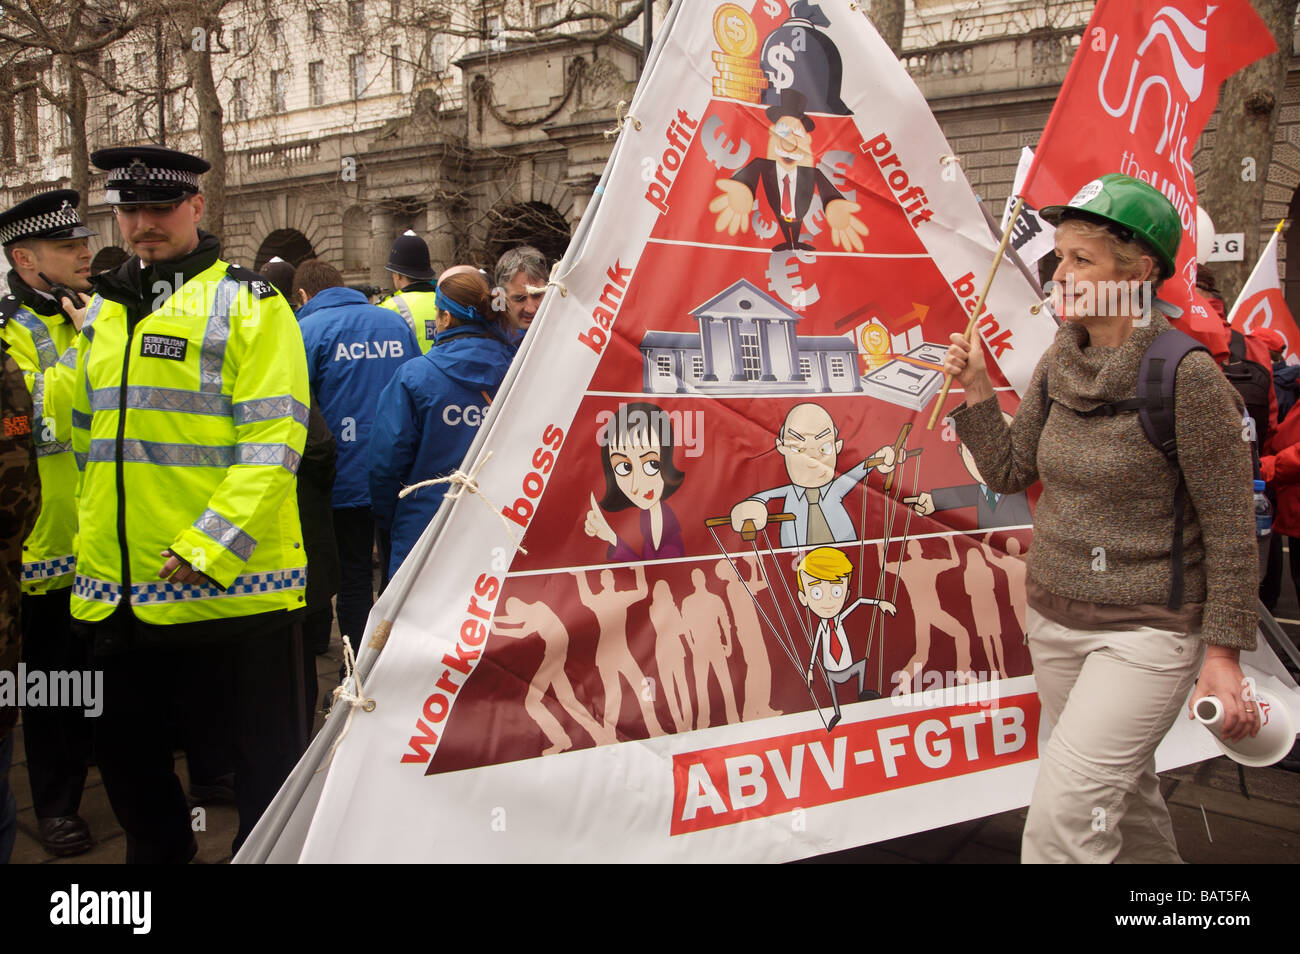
(1155, 407)
(1252, 380)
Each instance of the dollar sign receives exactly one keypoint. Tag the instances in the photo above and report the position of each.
(783, 278)
(718, 145)
(763, 228)
(779, 58)
(771, 7)
(736, 30)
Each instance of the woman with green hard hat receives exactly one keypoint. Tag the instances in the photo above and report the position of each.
(1143, 572)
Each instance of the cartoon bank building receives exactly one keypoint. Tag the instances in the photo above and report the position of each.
(747, 344)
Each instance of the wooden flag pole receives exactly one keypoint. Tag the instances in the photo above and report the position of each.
(979, 306)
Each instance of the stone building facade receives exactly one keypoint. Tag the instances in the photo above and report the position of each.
(349, 122)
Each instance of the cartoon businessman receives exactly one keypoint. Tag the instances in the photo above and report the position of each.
(823, 579)
(789, 178)
(811, 446)
(992, 509)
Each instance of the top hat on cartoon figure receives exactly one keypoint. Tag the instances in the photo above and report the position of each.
(792, 104)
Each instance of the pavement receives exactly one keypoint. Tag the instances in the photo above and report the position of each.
(1222, 812)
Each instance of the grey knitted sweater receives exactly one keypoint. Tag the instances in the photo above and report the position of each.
(1105, 486)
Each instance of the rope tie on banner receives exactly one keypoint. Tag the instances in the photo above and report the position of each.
(621, 119)
(556, 283)
(468, 482)
(354, 700)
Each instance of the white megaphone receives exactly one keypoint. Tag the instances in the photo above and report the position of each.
(1276, 731)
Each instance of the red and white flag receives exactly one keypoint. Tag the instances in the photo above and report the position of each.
(1141, 88)
(1261, 303)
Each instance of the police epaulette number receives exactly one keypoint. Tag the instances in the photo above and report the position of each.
(9, 305)
(259, 286)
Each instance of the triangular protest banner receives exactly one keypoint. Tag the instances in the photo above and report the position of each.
(733, 527)
(1261, 303)
(1140, 89)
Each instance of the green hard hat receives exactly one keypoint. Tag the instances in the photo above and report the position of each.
(1139, 211)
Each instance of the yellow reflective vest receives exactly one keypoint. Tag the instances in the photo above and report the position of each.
(42, 346)
(420, 311)
(189, 427)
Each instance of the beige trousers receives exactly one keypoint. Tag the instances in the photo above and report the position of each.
(1110, 697)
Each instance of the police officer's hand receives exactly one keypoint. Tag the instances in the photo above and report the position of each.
(75, 310)
(178, 571)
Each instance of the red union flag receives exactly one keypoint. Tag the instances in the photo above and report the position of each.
(1261, 303)
(1142, 86)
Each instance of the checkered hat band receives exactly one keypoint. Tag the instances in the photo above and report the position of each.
(39, 224)
(122, 178)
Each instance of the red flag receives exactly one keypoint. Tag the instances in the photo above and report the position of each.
(1142, 86)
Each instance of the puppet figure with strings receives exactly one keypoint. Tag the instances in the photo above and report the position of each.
(823, 580)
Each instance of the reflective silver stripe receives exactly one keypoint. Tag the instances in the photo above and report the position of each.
(142, 398)
(102, 449)
(81, 420)
(82, 459)
(92, 313)
(281, 454)
(46, 450)
(250, 584)
(100, 591)
(405, 311)
(46, 354)
(217, 335)
(69, 358)
(38, 399)
(268, 409)
(218, 528)
(48, 569)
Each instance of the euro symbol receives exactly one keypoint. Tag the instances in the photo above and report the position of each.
(783, 278)
(763, 228)
(718, 146)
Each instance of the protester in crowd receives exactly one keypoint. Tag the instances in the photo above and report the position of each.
(20, 504)
(1116, 650)
(315, 488)
(521, 275)
(190, 569)
(432, 409)
(408, 263)
(353, 350)
(48, 247)
(280, 274)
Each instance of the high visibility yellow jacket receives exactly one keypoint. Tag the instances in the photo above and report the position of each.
(42, 346)
(189, 420)
(416, 303)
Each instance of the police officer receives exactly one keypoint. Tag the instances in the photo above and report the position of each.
(413, 278)
(189, 420)
(47, 246)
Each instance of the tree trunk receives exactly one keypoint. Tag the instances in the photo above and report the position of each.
(79, 148)
(1232, 190)
(887, 17)
(198, 65)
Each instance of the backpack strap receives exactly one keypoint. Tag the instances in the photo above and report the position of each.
(1157, 376)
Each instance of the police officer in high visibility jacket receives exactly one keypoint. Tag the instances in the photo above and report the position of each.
(408, 260)
(47, 245)
(189, 422)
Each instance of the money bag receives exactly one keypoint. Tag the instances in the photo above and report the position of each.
(796, 55)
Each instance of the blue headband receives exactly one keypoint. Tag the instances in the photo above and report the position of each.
(461, 312)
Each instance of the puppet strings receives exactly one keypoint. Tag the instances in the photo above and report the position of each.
(789, 652)
(893, 596)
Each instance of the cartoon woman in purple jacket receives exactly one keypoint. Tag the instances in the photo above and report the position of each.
(637, 456)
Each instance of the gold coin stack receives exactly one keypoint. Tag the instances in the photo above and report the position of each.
(738, 77)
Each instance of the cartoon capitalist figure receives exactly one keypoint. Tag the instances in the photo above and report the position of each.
(823, 578)
(992, 510)
(811, 446)
(789, 178)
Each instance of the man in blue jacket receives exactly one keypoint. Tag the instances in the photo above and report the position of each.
(353, 350)
(432, 409)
